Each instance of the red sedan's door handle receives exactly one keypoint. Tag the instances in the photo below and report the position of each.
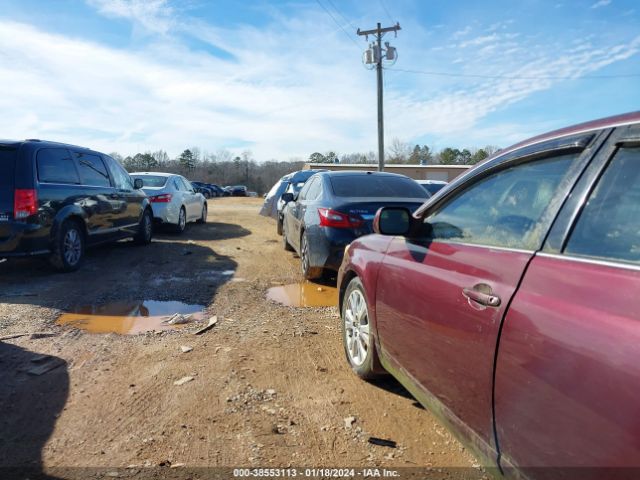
(482, 294)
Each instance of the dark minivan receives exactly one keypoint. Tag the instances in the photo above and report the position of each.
(55, 199)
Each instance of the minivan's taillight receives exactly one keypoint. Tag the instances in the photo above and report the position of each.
(164, 198)
(25, 203)
(331, 218)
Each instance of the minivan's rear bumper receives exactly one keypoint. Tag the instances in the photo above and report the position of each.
(19, 239)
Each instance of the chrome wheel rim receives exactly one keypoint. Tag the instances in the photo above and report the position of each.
(72, 246)
(356, 328)
(182, 221)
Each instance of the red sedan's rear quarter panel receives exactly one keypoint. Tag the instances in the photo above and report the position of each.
(567, 390)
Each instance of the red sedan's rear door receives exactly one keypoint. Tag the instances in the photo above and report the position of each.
(441, 297)
(567, 386)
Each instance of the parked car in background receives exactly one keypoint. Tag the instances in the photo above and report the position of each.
(334, 208)
(291, 183)
(217, 189)
(238, 191)
(204, 189)
(508, 304)
(174, 201)
(294, 185)
(57, 199)
(227, 191)
(432, 186)
(271, 198)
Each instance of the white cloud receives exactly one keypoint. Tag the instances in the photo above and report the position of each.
(460, 111)
(601, 3)
(283, 92)
(152, 15)
(279, 105)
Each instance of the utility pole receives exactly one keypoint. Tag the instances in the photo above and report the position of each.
(376, 57)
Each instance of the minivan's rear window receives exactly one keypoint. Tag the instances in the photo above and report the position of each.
(376, 186)
(7, 171)
(152, 180)
(55, 165)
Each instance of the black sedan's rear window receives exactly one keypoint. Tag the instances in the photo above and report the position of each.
(376, 186)
(151, 180)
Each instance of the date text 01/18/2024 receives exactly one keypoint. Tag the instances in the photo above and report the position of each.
(315, 472)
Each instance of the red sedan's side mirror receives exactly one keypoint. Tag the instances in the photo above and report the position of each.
(392, 221)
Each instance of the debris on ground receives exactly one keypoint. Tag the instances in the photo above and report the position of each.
(382, 442)
(37, 335)
(212, 322)
(183, 380)
(348, 422)
(179, 319)
(185, 348)
(31, 336)
(279, 429)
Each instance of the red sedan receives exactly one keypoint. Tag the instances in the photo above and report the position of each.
(509, 303)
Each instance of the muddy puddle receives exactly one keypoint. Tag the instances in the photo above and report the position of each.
(305, 294)
(130, 318)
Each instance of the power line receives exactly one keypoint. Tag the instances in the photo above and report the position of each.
(338, 23)
(340, 13)
(384, 7)
(516, 77)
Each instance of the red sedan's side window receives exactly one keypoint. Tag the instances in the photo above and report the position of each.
(506, 209)
(609, 225)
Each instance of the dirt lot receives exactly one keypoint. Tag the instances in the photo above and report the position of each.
(270, 384)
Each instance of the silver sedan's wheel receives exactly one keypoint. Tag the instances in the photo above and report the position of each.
(182, 221)
(356, 325)
(203, 215)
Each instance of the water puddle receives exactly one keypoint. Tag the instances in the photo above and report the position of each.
(306, 294)
(129, 318)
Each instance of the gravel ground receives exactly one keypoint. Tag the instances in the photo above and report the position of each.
(269, 385)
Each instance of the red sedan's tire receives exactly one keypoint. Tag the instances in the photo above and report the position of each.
(357, 337)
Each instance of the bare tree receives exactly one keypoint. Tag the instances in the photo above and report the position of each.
(398, 151)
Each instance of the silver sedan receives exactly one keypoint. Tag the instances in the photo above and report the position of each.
(173, 199)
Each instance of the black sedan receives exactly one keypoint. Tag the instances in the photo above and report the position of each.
(334, 208)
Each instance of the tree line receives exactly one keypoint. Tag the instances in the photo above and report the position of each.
(400, 152)
(223, 168)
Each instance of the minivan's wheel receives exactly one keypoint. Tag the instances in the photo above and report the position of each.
(68, 247)
(182, 221)
(309, 272)
(145, 229)
(279, 225)
(203, 217)
(285, 243)
(359, 346)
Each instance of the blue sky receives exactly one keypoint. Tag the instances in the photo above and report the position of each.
(285, 79)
